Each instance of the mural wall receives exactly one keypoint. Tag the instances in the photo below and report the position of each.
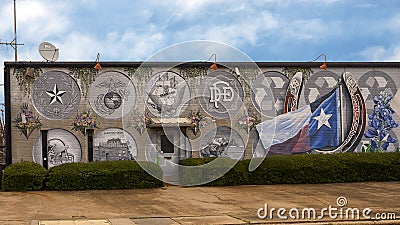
(74, 114)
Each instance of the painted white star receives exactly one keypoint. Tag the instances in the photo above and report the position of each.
(323, 119)
(55, 95)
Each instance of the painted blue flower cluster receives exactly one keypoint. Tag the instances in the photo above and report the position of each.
(380, 123)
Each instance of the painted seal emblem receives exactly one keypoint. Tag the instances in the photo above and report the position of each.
(112, 95)
(56, 95)
(220, 94)
(167, 94)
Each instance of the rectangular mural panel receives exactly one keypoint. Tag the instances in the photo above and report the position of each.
(236, 111)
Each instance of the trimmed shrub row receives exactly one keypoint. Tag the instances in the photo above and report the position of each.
(307, 168)
(81, 176)
(24, 176)
(195, 172)
(289, 169)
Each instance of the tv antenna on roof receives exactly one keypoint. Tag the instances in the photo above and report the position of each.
(14, 43)
(48, 51)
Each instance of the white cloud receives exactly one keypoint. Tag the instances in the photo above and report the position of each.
(78, 46)
(320, 1)
(247, 30)
(380, 53)
(307, 29)
(190, 9)
(129, 46)
(6, 18)
(139, 46)
(366, 5)
(38, 20)
(391, 24)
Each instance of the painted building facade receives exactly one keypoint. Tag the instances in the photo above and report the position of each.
(64, 112)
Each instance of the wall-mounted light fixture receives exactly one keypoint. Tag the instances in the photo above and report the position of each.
(214, 65)
(97, 66)
(323, 66)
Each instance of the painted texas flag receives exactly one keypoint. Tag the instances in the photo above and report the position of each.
(310, 127)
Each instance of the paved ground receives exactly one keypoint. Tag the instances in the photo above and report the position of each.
(198, 205)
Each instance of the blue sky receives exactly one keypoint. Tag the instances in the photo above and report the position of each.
(269, 30)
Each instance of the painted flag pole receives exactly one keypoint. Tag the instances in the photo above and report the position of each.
(341, 133)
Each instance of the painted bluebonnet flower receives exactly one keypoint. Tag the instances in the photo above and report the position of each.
(380, 123)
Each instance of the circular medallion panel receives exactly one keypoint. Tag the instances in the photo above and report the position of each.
(112, 95)
(268, 93)
(167, 94)
(62, 147)
(222, 142)
(55, 95)
(320, 84)
(220, 94)
(372, 83)
(114, 144)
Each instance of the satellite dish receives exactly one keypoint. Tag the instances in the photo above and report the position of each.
(48, 51)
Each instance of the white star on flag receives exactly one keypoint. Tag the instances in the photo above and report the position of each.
(323, 119)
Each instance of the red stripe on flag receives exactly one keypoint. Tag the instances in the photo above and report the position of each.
(303, 141)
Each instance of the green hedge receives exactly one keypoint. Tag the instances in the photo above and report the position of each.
(308, 168)
(345, 167)
(26, 176)
(23, 176)
(102, 175)
(289, 169)
(236, 175)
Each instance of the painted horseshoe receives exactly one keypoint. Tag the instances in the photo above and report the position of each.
(293, 93)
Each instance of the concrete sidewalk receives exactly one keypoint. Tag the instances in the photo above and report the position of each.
(200, 205)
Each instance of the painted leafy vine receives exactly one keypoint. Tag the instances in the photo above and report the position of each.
(86, 76)
(25, 78)
(142, 74)
(192, 72)
(291, 71)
